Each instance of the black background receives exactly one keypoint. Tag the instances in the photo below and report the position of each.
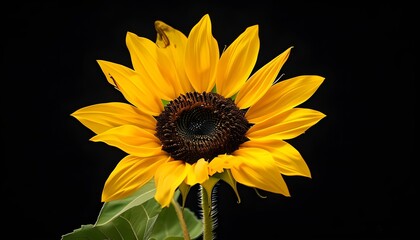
(361, 155)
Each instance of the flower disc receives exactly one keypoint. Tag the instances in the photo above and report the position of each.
(201, 125)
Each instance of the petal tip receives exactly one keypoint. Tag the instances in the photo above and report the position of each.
(254, 28)
(206, 18)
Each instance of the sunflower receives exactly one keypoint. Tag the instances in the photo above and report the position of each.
(193, 113)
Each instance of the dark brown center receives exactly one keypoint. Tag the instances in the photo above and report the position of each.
(201, 125)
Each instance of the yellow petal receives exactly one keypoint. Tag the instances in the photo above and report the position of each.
(284, 96)
(131, 139)
(173, 43)
(287, 158)
(170, 38)
(130, 174)
(104, 116)
(286, 125)
(170, 71)
(202, 56)
(259, 83)
(237, 62)
(255, 167)
(134, 89)
(198, 173)
(220, 163)
(168, 177)
(144, 56)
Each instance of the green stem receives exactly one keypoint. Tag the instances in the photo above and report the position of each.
(180, 215)
(207, 218)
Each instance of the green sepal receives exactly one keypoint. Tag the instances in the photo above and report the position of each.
(165, 102)
(259, 194)
(234, 96)
(214, 90)
(209, 185)
(184, 189)
(226, 176)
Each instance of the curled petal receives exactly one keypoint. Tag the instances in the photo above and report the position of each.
(219, 163)
(198, 173)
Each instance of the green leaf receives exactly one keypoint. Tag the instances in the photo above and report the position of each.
(167, 225)
(86, 232)
(138, 216)
(115, 208)
(135, 223)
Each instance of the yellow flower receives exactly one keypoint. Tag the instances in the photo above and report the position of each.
(193, 113)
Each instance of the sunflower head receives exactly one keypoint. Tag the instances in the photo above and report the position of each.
(195, 115)
(201, 125)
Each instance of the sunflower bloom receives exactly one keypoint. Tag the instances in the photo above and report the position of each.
(193, 113)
